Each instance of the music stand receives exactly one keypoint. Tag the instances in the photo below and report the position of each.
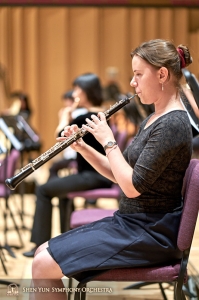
(3, 149)
(23, 132)
(10, 136)
(18, 146)
(29, 140)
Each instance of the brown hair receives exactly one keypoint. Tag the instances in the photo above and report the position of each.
(163, 53)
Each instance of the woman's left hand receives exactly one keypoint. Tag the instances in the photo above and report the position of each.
(99, 128)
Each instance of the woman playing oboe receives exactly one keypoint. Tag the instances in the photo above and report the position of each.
(150, 173)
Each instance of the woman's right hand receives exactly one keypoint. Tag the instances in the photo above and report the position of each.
(67, 132)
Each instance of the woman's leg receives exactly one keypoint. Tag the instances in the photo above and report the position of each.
(46, 277)
(57, 166)
(41, 229)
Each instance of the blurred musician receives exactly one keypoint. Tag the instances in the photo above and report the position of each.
(191, 107)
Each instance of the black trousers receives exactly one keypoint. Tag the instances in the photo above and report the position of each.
(59, 165)
(59, 187)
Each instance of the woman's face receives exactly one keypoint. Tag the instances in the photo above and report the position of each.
(67, 102)
(146, 80)
(80, 95)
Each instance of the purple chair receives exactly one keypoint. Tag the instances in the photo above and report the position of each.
(9, 165)
(88, 215)
(7, 170)
(173, 273)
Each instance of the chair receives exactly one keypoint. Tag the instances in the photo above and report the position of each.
(85, 216)
(77, 218)
(9, 165)
(173, 273)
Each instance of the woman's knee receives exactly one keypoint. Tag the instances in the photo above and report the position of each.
(38, 265)
(39, 190)
(43, 193)
(44, 266)
(41, 248)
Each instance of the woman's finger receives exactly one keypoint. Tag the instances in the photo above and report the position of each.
(90, 123)
(101, 116)
(95, 118)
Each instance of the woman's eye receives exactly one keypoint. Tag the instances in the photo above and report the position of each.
(136, 76)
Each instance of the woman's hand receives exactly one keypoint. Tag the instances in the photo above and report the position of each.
(99, 128)
(67, 133)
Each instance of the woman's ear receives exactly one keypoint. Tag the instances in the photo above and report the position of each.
(163, 74)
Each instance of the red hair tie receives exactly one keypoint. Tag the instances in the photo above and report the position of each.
(182, 59)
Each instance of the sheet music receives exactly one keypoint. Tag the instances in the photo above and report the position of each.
(16, 144)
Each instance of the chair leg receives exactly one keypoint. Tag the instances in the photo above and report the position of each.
(21, 211)
(178, 293)
(80, 294)
(8, 211)
(2, 258)
(2, 255)
(162, 291)
(15, 225)
(83, 295)
(70, 285)
(5, 215)
(138, 285)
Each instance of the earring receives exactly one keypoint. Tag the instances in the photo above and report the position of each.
(162, 87)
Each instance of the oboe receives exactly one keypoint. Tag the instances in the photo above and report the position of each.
(14, 181)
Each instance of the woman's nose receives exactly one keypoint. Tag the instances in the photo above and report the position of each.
(133, 83)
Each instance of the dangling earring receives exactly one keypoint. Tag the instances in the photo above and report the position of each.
(162, 87)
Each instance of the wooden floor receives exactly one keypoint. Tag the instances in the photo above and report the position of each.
(19, 267)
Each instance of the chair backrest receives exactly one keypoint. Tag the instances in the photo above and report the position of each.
(190, 193)
(112, 192)
(120, 137)
(7, 170)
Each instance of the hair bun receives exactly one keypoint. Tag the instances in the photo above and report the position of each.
(185, 57)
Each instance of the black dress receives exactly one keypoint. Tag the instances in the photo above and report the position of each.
(144, 225)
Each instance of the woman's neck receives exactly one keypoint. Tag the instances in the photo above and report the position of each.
(169, 103)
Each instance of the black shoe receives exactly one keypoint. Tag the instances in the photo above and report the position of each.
(91, 202)
(30, 253)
